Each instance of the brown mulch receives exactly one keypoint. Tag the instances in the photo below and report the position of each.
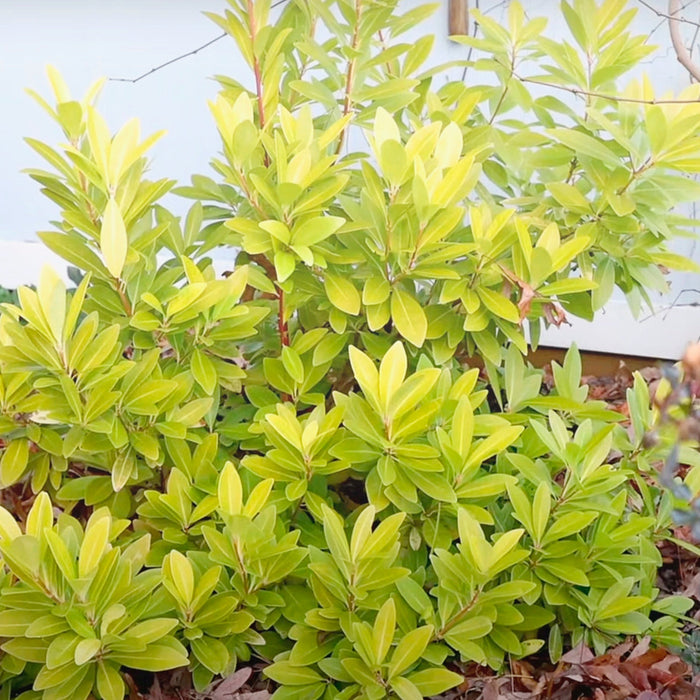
(247, 683)
(626, 671)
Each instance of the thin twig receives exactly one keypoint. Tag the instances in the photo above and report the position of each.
(181, 56)
(603, 96)
(658, 13)
(168, 63)
(471, 48)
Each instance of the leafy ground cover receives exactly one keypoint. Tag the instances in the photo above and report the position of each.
(294, 467)
(630, 670)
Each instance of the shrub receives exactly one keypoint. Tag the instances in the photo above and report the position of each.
(295, 461)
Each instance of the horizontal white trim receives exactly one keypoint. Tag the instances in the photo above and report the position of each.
(663, 334)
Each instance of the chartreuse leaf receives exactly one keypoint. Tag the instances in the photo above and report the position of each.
(434, 681)
(52, 299)
(9, 529)
(366, 375)
(230, 490)
(409, 317)
(336, 539)
(14, 461)
(412, 391)
(177, 570)
(40, 516)
(95, 542)
(392, 371)
(383, 630)
(108, 681)
(203, 371)
(159, 656)
(113, 238)
(286, 673)
(343, 294)
(361, 532)
(541, 507)
(409, 649)
(405, 689)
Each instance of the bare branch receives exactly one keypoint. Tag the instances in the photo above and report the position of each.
(684, 57)
(602, 95)
(180, 57)
(669, 16)
(167, 63)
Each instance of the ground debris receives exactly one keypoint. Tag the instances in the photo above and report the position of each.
(246, 683)
(627, 671)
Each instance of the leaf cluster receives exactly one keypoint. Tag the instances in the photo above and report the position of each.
(300, 461)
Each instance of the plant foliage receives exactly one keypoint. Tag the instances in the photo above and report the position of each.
(294, 461)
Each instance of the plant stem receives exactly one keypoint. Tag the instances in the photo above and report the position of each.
(602, 95)
(459, 616)
(257, 71)
(124, 299)
(350, 74)
(648, 163)
(281, 322)
(505, 88)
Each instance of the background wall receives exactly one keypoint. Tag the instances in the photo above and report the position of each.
(86, 40)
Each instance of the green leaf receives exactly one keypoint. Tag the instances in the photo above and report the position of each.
(113, 238)
(471, 628)
(541, 507)
(86, 651)
(375, 291)
(383, 631)
(392, 371)
(314, 230)
(498, 304)
(178, 570)
(342, 294)
(434, 681)
(203, 371)
(566, 572)
(161, 656)
(211, 653)
(286, 673)
(109, 681)
(409, 650)
(409, 317)
(405, 689)
(14, 461)
(94, 544)
(293, 364)
(584, 145)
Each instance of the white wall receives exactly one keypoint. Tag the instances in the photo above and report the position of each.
(87, 39)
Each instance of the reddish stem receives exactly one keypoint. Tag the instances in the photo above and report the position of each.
(281, 322)
(350, 75)
(257, 71)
